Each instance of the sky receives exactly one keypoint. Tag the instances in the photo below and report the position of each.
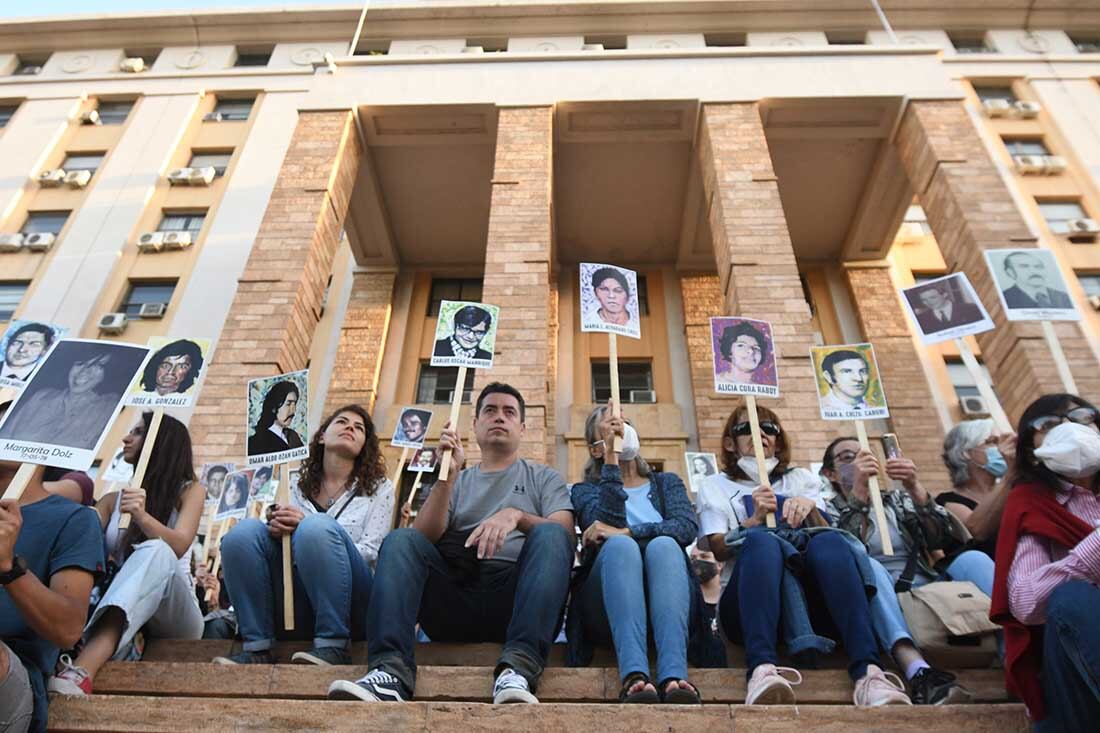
(42, 8)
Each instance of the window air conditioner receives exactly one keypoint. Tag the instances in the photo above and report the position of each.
(1029, 164)
(78, 179)
(1083, 230)
(179, 176)
(973, 405)
(151, 242)
(1094, 301)
(1027, 110)
(212, 117)
(201, 176)
(40, 242)
(643, 396)
(11, 242)
(51, 178)
(1053, 164)
(91, 118)
(153, 310)
(133, 65)
(112, 322)
(996, 107)
(592, 47)
(30, 71)
(177, 240)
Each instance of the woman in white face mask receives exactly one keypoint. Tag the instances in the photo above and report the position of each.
(1045, 590)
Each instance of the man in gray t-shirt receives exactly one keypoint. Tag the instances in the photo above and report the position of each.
(488, 559)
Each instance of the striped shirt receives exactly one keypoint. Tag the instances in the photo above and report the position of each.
(1039, 565)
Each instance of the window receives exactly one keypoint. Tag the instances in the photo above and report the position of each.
(82, 162)
(989, 93)
(724, 40)
(114, 113)
(609, 43)
(372, 47)
(253, 56)
(11, 295)
(846, 38)
(489, 45)
(45, 222)
(148, 55)
(436, 385)
(1086, 44)
(1090, 284)
(7, 111)
(146, 292)
(634, 377)
(915, 223)
(29, 65)
(966, 43)
(1020, 146)
(1059, 213)
(962, 381)
(453, 289)
(643, 296)
(184, 221)
(234, 109)
(219, 161)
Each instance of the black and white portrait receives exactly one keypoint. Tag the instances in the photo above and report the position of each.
(411, 428)
(699, 466)
(946, 308)
(234, 499)
(24, 344)
(609, 300)
(1030, 285)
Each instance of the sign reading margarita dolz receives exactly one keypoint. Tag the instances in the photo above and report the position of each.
(465, 334)
(276, 420)
(744, 357)
(172, 374)
(848, 383)
(62, 416)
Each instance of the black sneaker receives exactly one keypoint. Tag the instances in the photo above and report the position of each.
(262, 657)
(322, 656)
(377, 686)
(933, 686)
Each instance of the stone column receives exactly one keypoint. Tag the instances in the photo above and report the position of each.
(702, 296)
(362, 341)
(518, 265)
(757, 273)
(970, 210)
(277, 305)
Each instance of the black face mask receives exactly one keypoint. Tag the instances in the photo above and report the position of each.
(705, 569)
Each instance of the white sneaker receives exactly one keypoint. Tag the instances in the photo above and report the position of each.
(768, 686)
(511, 687)
(878, 688)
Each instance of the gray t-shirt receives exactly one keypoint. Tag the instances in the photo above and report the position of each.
(530, 487)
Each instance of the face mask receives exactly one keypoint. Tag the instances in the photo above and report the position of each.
(705, 569)
(847, 472)
(630, 447)
(748, 465)
(995, 464)
(1071, 450)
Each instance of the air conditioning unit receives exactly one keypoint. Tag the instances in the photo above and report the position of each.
(51, 178)
(1027, 110)
(151, 242)
(179, 176)
(212, 117)
(640, 396)
(177, 240)
(77, 179)
(153, 310)
(473, 49)
(133, 65)
(1053, 164)
(91, 118)
(1029, 164)
(201, 176)
(996, 107)
(1083, 230)
(592, 47)
(973, 405)
(112, 322)
(1094, 301)
(39, 242)
(30, 71)
(11, 242)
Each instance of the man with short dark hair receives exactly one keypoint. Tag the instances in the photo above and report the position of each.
(488, 559)
(469, 326)
(849, 377)
(25, 347)
(942, 310)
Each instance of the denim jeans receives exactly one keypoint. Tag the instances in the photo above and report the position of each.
(332, 582)
(973, 565)
(1071, 660)
(750, 605)
(520, 606)
(886, 616)
(615, 596)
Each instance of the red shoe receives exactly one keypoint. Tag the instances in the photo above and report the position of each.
(71, 681)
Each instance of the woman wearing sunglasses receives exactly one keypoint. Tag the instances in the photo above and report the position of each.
(1045, 590)
(830, 588)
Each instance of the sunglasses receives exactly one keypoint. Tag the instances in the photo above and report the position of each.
(767, 428)
(1080, 415)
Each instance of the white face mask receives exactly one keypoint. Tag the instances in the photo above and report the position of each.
(631, 447)
(1071, 450)
(748, 465)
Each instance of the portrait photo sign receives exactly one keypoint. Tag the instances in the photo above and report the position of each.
(946, 308)
(276, 420)
(1030, 285)
(744, 357)
(411, 428)
(172, 374)
(233, 503)
(212, 477)
(24, 345)
(465, 334)
(423, 461)
(699, 466)
(849, 386)
(609, 300)
(62, 415)
(263, 485)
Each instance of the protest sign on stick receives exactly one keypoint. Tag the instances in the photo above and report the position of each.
(985, 389)
(23, 346)
(422, 462)
(282, 498)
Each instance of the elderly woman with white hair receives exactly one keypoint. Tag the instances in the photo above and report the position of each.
(980, 462)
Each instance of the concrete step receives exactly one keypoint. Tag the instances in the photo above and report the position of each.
(464, 683)
(168, 714)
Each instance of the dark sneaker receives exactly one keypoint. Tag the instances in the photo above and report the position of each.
(263, 657)
(933, 686)
(377, 686)
(322, 656)
(511, 687)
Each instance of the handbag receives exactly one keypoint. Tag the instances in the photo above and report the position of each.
(949, 622)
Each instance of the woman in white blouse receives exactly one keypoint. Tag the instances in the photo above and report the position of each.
(340, 512)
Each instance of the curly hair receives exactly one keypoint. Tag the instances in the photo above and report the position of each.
(370, 467)
(181, 347)
(730, 335)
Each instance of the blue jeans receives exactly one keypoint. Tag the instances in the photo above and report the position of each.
(332, 582)
(973, 565)
(519, 604)
(886, 616)
(1071, 660)
(614, 600)
(750, 604)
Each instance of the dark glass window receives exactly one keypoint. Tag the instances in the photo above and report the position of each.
(635, 379)
(182, 221)
(436, 385)
(11, 295)
(141, 293)
(114, 113)
(453, 288)
(45, 222)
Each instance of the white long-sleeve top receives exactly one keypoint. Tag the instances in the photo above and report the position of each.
(366, 519)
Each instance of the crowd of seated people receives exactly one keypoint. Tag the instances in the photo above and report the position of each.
(492, 556)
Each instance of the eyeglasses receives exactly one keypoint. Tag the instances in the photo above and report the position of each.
(767, 427)
(460, 328)
(1079, 415)
(845, 456)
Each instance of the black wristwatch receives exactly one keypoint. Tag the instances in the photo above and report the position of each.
(18, 570)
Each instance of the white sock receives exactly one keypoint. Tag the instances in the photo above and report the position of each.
(914, 667)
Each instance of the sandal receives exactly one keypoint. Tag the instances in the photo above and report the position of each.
(678, 695)
(646, 695)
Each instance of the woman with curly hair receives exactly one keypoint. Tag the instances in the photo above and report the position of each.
(339, 514)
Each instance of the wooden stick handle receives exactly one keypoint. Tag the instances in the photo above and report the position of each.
(1068, 383)
(613, 372)
(397, 486)
(876, 495)
(456, 405)
(207, 541)
(758, 449)
(20, 480)
(985, 389)
(143, 461)
(282, 498)
(224, 527)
